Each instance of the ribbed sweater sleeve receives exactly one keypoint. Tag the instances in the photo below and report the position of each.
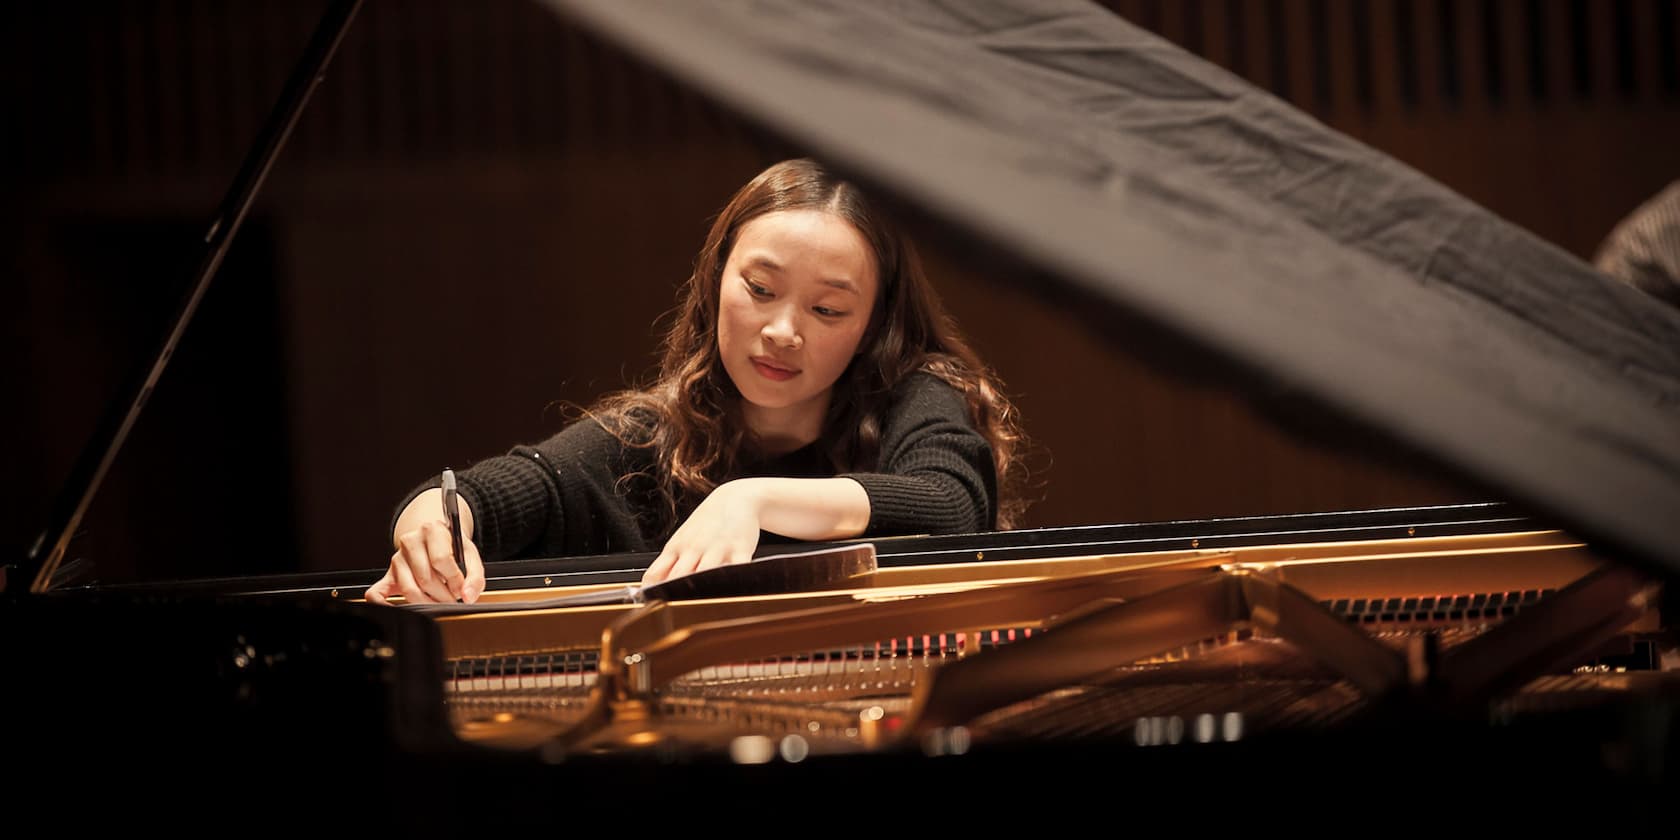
(936, 474)
(560, 497)
(583, 492)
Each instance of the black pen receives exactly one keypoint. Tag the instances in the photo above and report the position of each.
(452, 511)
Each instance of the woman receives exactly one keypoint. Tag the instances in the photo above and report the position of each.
(812, 387)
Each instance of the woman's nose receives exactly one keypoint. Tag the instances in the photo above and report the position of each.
(783, 330)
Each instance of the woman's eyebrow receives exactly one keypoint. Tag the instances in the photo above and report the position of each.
(842, 284)
(764, 262)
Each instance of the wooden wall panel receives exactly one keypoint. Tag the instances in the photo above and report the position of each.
(484, 173)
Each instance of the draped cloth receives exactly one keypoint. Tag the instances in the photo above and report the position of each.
(1197, 219)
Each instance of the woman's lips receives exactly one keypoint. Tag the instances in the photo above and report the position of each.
(772, 370)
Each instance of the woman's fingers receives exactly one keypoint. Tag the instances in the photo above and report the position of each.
(687, 560)
(676, 561)
(717, 533)
(405, 581)
(424, 570)
(714, 556)
(727, 555)
(660, 568)
(473, 586)
(441, 553)
(382, 590)
(415, 570)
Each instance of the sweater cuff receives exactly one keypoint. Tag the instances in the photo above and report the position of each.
(902, 505)
(507, 496)
(391, 530)
(468, 495)
(502, 495)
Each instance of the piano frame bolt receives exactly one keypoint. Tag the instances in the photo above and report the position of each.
(870, 728)
(637, 673)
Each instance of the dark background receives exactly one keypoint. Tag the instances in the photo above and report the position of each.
(483, 214)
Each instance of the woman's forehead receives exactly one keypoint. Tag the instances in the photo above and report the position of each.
(814, 245)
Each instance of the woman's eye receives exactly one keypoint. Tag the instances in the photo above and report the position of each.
(827, 312)
(756, 290)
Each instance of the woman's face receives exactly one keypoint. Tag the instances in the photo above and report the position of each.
(798, 290)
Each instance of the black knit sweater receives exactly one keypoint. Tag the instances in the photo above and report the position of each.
(584, 492)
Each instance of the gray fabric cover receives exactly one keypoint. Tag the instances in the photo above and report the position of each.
(1157, 194)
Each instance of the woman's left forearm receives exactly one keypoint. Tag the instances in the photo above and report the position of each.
(807, 508)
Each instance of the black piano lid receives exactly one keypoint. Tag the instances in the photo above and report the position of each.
(1186, 213)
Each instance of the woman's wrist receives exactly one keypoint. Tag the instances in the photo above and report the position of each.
(747, 494)
(802, 508)
(428, 507)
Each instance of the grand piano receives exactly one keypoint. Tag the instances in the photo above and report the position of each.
(1516, 656)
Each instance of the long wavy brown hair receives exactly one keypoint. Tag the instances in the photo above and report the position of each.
(690, 415)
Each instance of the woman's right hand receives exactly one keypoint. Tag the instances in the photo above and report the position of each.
(423, 568)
